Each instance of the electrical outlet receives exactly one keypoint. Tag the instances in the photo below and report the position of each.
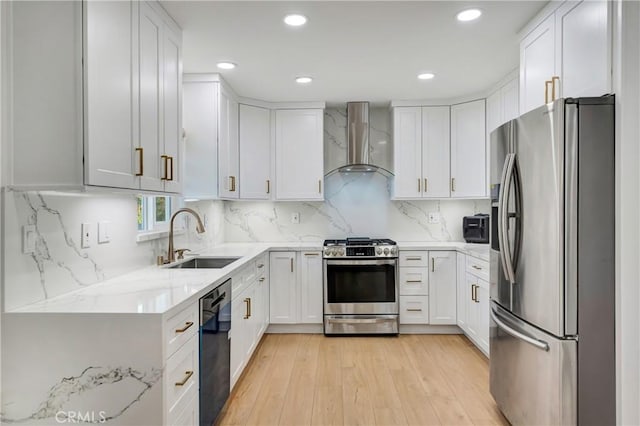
(434, 217)
(29, 239)
(104, 232)
(86, 235)
(295, 217)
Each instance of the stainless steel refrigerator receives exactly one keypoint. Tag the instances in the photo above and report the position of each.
(552, 335)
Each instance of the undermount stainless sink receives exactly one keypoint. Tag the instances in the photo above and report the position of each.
(205, 262)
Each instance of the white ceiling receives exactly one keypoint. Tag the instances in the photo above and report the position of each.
(354, 50)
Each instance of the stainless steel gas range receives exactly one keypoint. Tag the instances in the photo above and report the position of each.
(360, 286)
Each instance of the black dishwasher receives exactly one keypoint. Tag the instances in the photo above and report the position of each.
(215, 323)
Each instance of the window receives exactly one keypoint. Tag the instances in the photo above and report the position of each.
(154, 213)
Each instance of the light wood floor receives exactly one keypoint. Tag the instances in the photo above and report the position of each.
(309, 379)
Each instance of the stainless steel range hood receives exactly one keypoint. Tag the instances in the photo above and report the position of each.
(358, 145)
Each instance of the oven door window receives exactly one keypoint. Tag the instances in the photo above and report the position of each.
(361, 283)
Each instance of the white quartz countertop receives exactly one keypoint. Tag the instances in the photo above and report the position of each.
(160, 290)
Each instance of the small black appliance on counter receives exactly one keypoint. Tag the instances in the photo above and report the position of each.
(475, 229)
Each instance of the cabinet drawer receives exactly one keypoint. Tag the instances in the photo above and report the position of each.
(414, 309)
(414, 281)
(187, 413)
(179, 328)
(414, 258)
(182, 376)
(478, 267)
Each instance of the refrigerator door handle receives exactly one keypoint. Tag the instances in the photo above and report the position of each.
(518, 335)
(503, 208)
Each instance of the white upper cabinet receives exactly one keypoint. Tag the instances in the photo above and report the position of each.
(421, 152)
(255, 152)
(468, 150)
(200, 111)
(299, 154)
(114, 155)
(114, 111)
(435, 152)
(407, 137)
(537, 65)
(502, 105)
(228, 147)
(568, 54)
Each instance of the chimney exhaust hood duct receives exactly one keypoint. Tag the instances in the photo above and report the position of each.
(358, 145)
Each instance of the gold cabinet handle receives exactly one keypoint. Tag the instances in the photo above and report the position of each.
(453, 184)
(414, 258)
(187, 376)
(232, 183)
(319, 186)
(292, 264)
(473, 289)
(261, 266)
(433, 264)
(187, 325)
(261, 279)
(476, 267)
(312, 254)
(414, 310)
(426, 184)
(546, 90)
(170, 158)
(553, 87)
(419, 185)
(268, 186)
(165, 163)
(247, 312)
(140, 162)
(413, 281)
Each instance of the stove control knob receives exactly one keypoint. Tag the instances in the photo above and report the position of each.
(386, 250)
(394, 250)
(329, 252)
(378, 251)
(341, 252)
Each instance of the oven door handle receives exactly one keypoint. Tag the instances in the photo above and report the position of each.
(369, 262)
(359, 320)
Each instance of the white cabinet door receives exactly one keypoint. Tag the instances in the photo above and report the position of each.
(240, 336)
(435, 152)
(442, 287)
(510, 104)
(583, 48)
(537, 64)
(111, 94)
(311, 287)
(299, 154)
(407, 146)
(283, 294)
(150, 62)
(228, 149)
(468, 147)
(171, 107)
(255, 152)
(200, 112)
(482, 306)
(495, 116)
(462, 293)
(472, 312)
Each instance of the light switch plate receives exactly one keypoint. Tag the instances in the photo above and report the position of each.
(104, 232)
(29, 239)
(295, 218)
(86, 235)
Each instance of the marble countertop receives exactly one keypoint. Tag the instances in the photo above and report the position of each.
(163, 291)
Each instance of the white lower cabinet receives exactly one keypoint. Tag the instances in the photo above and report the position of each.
(248, 317)
(427, 287)
(473, 303)
(295, 287)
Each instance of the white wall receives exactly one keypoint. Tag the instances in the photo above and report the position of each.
(626, 61)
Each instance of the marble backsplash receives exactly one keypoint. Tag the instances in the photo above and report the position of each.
(59, 264)
(355, 205)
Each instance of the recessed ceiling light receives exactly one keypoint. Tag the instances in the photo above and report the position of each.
(295, 20)
(469, 15)
(426, 76)
(303, 80)
(226, 65)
